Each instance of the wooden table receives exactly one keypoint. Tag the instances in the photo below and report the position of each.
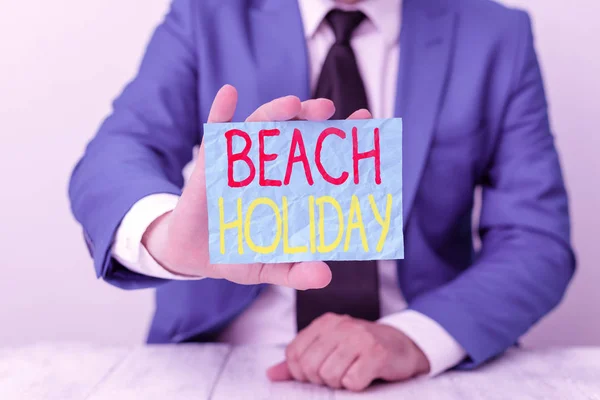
(220, 372)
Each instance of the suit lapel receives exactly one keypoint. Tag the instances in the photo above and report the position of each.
(426, 44)
(279, 50)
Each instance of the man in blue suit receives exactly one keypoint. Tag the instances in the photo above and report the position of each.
(464, 76)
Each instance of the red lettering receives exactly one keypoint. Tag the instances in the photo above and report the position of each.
(263, 157)
(241, 156)
(375, 153)
(298, 142)
(329, 131)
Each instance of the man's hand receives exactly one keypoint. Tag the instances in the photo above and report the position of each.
(178, 240)
(344, 352)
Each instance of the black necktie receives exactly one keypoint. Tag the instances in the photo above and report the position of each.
(354, 288)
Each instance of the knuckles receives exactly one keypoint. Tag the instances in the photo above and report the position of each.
(331, 318)
(358, 337)
(331, 377)
(354, 383)
(312, 372)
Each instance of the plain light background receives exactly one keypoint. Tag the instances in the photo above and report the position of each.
(61, 64)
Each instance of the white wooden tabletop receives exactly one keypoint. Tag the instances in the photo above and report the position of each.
(220, 372)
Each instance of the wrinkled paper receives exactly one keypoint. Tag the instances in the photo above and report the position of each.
(250, 223)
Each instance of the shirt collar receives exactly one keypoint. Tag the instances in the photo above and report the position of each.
(384, 14)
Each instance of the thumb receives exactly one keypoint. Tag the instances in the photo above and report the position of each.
(194, 194)
(222, 110)
(279, 372)
(223, 106)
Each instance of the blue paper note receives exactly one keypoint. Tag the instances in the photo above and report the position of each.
(299, 190)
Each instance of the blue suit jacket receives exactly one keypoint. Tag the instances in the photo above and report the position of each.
(471, 93)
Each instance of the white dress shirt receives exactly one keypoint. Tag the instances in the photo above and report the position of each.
(271, 318)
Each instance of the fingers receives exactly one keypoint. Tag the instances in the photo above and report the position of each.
(334, 368)
(223, 106)
(312, 359)
(279, 372)
(316, 110)
(364, 370)
(300, 276)
(324, 324)
(281, 109)
(363, 113)
(303, 353)
(338, 351)
(290, 107)
(293, 364)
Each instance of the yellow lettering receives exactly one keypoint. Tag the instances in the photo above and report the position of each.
(286, 245)
(262, 249)
(311, 223)
(323, 248)
(355, 211)
(230, 225)
(385, 224)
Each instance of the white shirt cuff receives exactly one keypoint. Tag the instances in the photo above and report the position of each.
(441, 349)
(128, 248)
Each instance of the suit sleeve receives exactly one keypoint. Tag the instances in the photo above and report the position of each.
(142, 147)
(526, 260)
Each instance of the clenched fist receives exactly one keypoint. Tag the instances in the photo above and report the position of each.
(344, 352)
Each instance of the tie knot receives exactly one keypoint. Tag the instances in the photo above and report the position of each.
(344, 23)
